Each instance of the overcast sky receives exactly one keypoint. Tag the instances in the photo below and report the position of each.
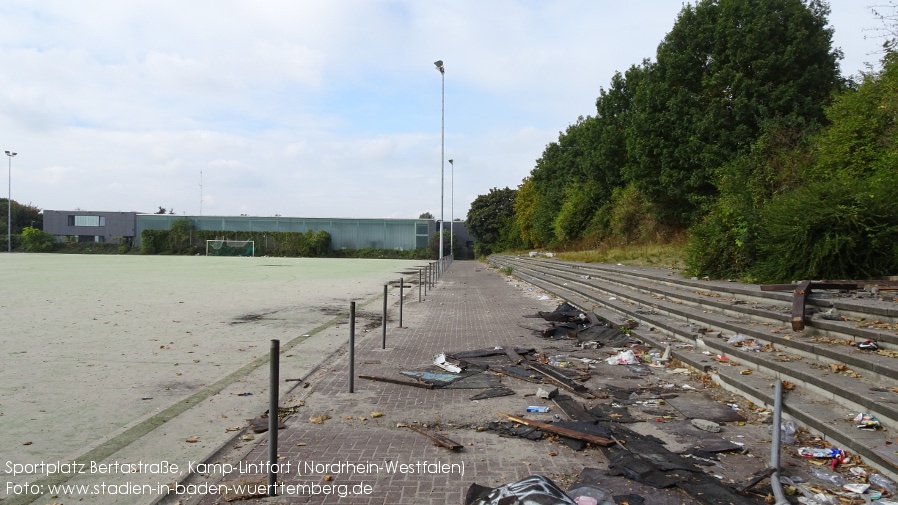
(311, 108)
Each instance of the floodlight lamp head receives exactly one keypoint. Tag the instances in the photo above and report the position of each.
(450, 162)
(10, 154)
(439, 65)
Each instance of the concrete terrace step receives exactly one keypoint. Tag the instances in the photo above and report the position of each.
(697, 325)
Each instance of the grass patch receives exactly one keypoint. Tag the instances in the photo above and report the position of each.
(670, 255)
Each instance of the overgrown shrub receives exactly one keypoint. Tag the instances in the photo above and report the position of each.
(34, 240)
(835, 229)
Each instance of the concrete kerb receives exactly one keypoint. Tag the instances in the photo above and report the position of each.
(227, 448)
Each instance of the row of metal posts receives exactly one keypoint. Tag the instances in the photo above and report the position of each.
(427, 277)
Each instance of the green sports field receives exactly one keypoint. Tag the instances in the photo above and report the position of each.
(124, 358)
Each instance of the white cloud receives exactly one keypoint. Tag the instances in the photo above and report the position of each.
(309, 108)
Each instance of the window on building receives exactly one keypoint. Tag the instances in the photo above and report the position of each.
(87, 220)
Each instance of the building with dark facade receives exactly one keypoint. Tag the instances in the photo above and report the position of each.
(346, 233)
(92, 226)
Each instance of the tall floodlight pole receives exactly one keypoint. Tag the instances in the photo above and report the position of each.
(452, 210)
(9, 206)
(439, 65)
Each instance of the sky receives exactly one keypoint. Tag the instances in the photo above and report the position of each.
(312, 108)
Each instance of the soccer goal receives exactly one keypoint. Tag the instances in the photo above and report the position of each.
(230, 248)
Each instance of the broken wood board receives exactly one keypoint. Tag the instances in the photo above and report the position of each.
(515, 358)
(397, 381)
(439, 440)
(701, 406)
(558, 430)
(573, 409)
(518, 373)
(493, 393)
(562, 381)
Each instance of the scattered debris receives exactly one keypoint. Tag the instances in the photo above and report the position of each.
(868, 345)
(867, 422)
(559, 430)
(494, 392)
(397, 381)
(534, 489)
(260, 424)
(319, 419)
(706, 425)
(548, 394)
(441, 361)
(439, 440)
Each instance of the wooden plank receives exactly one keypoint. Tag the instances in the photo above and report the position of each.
(438, 439)
(562, 381)
(515, 358)
(396, 381)
(756, 478)
(558, 430)
(573, 409)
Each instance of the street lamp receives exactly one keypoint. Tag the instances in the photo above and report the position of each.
(439, 65)
(452, 211)
(9, 206)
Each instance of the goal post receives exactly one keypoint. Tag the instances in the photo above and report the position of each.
(230, 248)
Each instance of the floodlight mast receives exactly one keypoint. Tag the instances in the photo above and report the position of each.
(439, 65)
(9, 205)
(452, 211)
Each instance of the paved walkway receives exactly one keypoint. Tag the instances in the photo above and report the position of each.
(349, 458)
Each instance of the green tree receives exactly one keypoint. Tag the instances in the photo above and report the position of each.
(180, 234)
(23, 216)
(490, 220)
(425, 215)
(724, 70)
(34, 240)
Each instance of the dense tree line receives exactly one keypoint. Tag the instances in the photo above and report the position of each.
(742, 134)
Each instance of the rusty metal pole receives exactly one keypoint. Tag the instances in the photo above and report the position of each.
(383, 338)
(273, 411)
(351, 346)
(401, 289)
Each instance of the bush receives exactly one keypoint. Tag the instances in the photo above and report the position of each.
(34, 240)
(834, 229)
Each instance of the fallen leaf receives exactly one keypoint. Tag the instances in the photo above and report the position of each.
(28, 443)
(192, 440)
(376, 414)
(328, 478)
(319, 419)
(233, 428)
(301, 444)
(247, 437)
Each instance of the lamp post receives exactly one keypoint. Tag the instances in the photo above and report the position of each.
(439, 65)
(452, 210)
(9, 206)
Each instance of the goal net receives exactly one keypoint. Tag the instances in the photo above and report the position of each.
(230, 248)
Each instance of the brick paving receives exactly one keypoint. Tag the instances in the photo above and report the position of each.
(471, 307)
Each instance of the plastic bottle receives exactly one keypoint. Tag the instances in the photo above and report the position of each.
(881, 482)
(834, 478)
